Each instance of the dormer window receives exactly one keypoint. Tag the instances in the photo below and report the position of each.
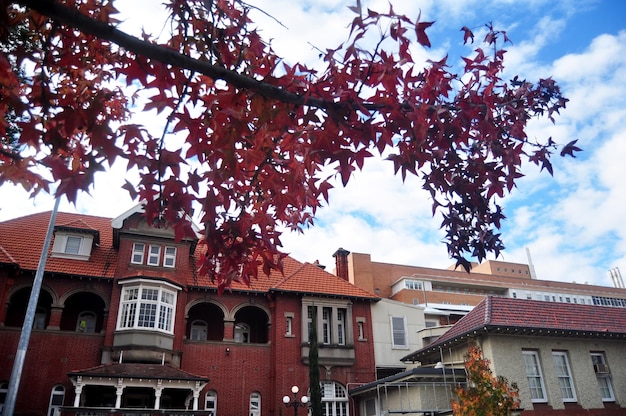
(72, 244)
(155, 255)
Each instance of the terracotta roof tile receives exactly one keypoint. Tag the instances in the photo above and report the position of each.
(22, 239)
(527, 317)
(147, 371)
(25, 251)
(296, 277)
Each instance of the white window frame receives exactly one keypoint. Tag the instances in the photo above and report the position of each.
(154, 255)
(361, 329)
(289, 324)
(139, 251)
(54, 407)
(198, 328)
(210, 403)
(242, 333)
(334, 399)
(605, 384)
(169, 256)
(334, 321)
(399, 328)
(255, 403)
(327, 312)
(146, 305)
(78, 248)
(534, 376)
(564, 375)
(89, 318)
(64, 245)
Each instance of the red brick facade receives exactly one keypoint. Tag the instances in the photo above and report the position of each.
(269, 361)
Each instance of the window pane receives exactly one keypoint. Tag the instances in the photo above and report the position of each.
(326, 312)
(138, 249)
(154, 256)
(169, 258)
(533, 374)
(72, 245)
(399, 331)
(561, 366)
(147, 315)
(341, 326)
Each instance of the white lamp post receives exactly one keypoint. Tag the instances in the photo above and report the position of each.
(294, 402)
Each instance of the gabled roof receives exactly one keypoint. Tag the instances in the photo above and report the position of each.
(498, 315)
(134, 370)
(22, 239)
(297, 277)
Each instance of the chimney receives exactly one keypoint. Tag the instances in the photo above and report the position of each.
(341, 263)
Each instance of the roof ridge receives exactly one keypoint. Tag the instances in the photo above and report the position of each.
(6, 253)
(488, 309)
(291, 275)
(75, 221)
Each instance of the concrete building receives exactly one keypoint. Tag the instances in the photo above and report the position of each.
(455, 292)
(566, 359)
(125, 325)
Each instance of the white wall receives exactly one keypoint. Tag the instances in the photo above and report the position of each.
(382, 311)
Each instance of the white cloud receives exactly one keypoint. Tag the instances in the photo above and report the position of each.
(572, 223)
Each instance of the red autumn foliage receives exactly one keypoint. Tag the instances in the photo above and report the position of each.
(258, 134)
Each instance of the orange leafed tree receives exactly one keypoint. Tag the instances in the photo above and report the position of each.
(485, 394)
(256, 136)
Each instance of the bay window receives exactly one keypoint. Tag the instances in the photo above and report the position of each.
(147, 305)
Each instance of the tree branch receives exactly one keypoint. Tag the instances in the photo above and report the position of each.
(102, 30)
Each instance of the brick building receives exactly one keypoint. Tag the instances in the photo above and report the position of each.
(125, 325)
(456, 292)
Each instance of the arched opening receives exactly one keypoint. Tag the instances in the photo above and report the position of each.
(19, 303)
(210, 403)
(334, 399)
(57, 396)
(254, 320)
(83, 312)
(206, 317)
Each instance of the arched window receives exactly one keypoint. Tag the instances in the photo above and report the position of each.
(334, 399)
(255, 404)
(86, 322)
(198, 331)
(4, 388)
(56, 400)
(242, 332)
(210, 403)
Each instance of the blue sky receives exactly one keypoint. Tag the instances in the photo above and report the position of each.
(571, 223)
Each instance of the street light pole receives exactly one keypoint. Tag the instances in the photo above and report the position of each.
(295, 403)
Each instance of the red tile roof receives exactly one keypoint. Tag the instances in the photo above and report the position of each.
(532, 317)
(21, 241)
(147, 371)
(305, 278)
